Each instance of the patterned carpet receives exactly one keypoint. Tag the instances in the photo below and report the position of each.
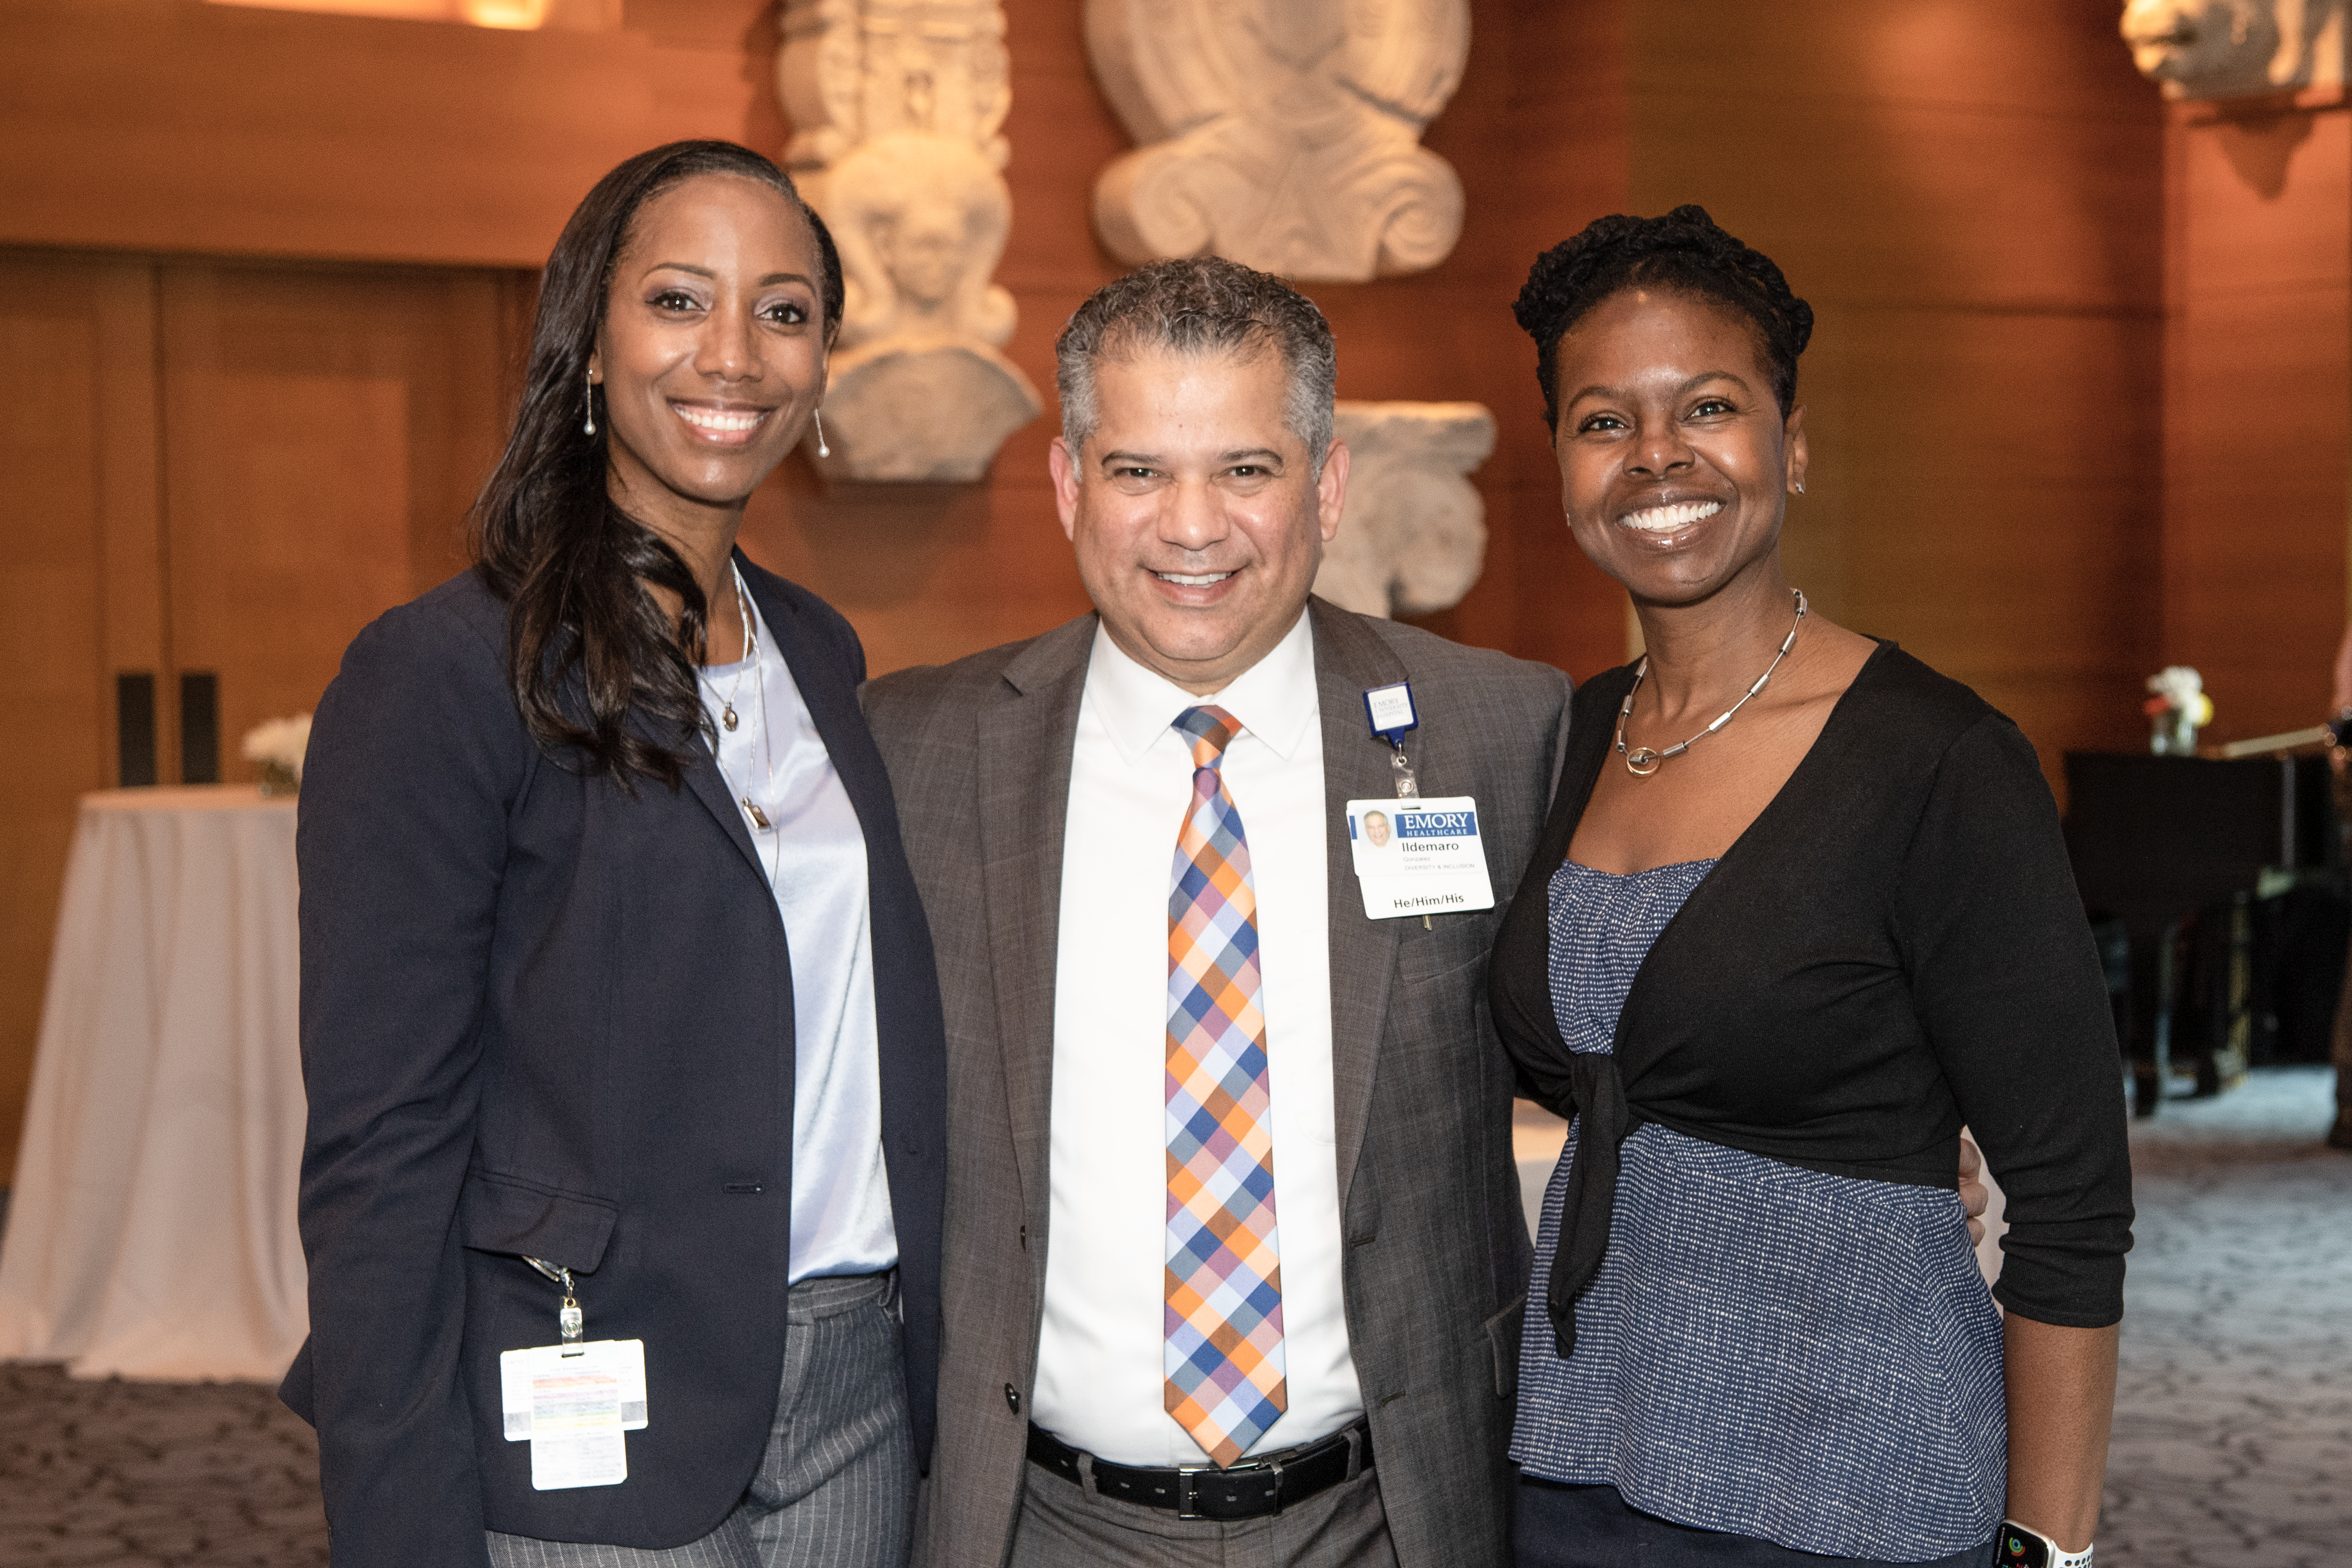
(2233, 1427)
(2233, 1418)
(172, 1475)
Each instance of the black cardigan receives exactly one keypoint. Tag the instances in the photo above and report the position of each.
(1894, 947)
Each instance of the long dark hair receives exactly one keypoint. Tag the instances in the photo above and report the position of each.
(588, 648)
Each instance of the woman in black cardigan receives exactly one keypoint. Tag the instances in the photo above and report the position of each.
(1802, 911)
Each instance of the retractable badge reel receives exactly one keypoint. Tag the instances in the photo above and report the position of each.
(1390, 710)
(573, 1400)
(1413, 856)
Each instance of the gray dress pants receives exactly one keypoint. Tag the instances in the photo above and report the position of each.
(836, 1485)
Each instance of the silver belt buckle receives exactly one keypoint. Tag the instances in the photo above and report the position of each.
(1184, 1473)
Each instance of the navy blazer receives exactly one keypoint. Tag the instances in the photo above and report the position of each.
(543, 1019)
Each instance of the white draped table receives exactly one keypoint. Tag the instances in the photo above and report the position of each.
(151, 1233)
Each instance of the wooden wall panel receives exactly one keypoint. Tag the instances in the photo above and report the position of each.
(218, 467)
(130, 494)
(179, 126)
(325, 431)
(2258, 437)
(1538, 133)
(1971, 196)
(77, 488)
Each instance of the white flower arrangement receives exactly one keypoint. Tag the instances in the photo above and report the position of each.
(278, 746)
(2179, 707)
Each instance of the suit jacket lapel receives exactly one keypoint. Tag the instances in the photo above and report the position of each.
(1026, 738)
(1350, 658)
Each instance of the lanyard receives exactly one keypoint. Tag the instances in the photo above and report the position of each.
(1390, 712)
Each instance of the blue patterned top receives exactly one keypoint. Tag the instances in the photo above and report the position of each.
(1767, 1351)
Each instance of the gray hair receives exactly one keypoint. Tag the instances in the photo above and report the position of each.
(1201, 305)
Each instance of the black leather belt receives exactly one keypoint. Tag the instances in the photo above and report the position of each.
(1252, 1489)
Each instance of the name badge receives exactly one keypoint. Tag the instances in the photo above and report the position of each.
(572, 1403)
(1421, 856)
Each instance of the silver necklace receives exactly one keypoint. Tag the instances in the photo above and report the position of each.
(751, 653)
(767, 737)
(1642, 762)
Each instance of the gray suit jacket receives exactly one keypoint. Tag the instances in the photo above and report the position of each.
(1436, 1249)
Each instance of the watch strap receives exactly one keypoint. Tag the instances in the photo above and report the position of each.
(2022, 1546)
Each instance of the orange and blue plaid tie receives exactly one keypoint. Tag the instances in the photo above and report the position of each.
(1223, 1356)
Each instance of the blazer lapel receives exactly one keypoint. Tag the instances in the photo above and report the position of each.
(1349, 659)
(1026, 737)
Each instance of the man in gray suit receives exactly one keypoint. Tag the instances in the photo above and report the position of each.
(1234, 1249)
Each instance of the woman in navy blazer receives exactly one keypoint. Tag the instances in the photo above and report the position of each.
(548, 990)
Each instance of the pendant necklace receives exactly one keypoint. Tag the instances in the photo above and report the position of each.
(1642, 762)
(759, 819)
(751, 653)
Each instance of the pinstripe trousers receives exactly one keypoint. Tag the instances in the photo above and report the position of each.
(836, 1485)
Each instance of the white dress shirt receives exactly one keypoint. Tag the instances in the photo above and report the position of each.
(814, 857)
(1101, 1372)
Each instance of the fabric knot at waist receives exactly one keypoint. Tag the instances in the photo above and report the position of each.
(1604, 1120)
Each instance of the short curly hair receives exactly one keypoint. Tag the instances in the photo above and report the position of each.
(1684, 250)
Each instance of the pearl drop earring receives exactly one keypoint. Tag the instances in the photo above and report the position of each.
(822, 449)
(590, 425)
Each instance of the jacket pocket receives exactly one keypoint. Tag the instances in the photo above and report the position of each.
(504, 1214)
(1502, 1339)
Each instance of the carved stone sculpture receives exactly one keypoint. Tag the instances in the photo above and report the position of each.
(899, 107)
(1413, 537)
(2231, 48)
(1284, 134)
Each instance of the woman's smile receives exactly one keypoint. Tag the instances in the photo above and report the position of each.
(721, 424)
(1667, 517)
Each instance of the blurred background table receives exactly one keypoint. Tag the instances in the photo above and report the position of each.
(2217, 889)
(151, 1232)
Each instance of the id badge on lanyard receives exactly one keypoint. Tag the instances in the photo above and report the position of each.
(1414, 855)
(572, 1401)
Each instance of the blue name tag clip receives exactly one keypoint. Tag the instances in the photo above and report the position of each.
(1390, 710)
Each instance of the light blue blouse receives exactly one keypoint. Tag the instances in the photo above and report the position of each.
(814, 854)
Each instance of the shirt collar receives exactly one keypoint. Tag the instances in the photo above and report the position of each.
(1274, 698)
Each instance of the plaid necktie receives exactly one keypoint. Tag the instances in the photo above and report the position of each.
(1223, 1355)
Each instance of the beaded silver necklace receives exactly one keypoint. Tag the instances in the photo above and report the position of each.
(1642, 762)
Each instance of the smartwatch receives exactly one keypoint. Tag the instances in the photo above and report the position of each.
(2022, 1547)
